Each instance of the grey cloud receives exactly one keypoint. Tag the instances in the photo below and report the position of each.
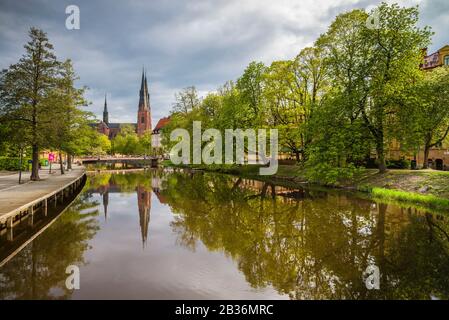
(181, 43)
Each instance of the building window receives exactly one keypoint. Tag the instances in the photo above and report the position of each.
(142, 120)
(446, 60)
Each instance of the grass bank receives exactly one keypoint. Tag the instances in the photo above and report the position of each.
(422, 200)
(423, 188)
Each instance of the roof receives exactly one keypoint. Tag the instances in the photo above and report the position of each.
(121, 125)
(112, 125)
(161, 124)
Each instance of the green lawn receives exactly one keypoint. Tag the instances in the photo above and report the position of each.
(428, 182)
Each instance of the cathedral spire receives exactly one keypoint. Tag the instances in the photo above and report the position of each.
(144, 109)
(143, 95)
(105, 111)
(142, 85)
(146, 89)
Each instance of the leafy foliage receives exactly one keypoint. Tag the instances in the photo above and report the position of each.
(339, 104)
(40, 105)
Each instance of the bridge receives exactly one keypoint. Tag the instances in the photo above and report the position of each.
(134, 161)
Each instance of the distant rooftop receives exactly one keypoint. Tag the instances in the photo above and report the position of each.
(161, 123)
(121, 125)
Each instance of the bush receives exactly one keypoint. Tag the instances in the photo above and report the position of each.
(12, 163)
(398, 164)
(326, 174)
(371, 163)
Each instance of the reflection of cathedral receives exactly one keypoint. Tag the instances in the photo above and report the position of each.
(105, 204)
(143, 199)
(144, 204)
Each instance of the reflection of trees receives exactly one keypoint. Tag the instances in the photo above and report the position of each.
(419, 264)
(127, 181)
(312, 248)
(38, 271)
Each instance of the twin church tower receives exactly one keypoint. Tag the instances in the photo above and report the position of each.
(143, 123)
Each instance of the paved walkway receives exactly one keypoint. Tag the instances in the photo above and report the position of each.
(14, 196)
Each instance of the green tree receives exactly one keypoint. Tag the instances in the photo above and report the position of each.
(64, 101)
(285, 110)
(97, 143)
(145, 143)
(396, 53)
(186, 100)
(372, 67)
(340, 143)
(127, 143)
(250, 86)
(293, 90)
(211, 106)
(425, 114)
(24, 88)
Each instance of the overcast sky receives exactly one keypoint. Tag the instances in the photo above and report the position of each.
(180, 42)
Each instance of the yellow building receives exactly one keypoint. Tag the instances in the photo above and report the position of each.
(437, 59)
(438, 156)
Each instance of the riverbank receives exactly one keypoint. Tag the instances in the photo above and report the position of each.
(424, 188)
(15, 198)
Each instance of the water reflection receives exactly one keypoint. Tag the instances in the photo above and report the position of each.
(160, 234)
(118, 183)
(312, 245)
(38, 270)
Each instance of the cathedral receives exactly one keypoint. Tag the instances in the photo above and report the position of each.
(143, 123)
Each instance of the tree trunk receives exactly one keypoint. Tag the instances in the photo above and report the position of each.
(425, 164)
(61, 165)
(35, 165)
(297, 156)
(69, 161)
(381, 155)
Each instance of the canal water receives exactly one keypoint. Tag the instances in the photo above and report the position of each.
(193, 235)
